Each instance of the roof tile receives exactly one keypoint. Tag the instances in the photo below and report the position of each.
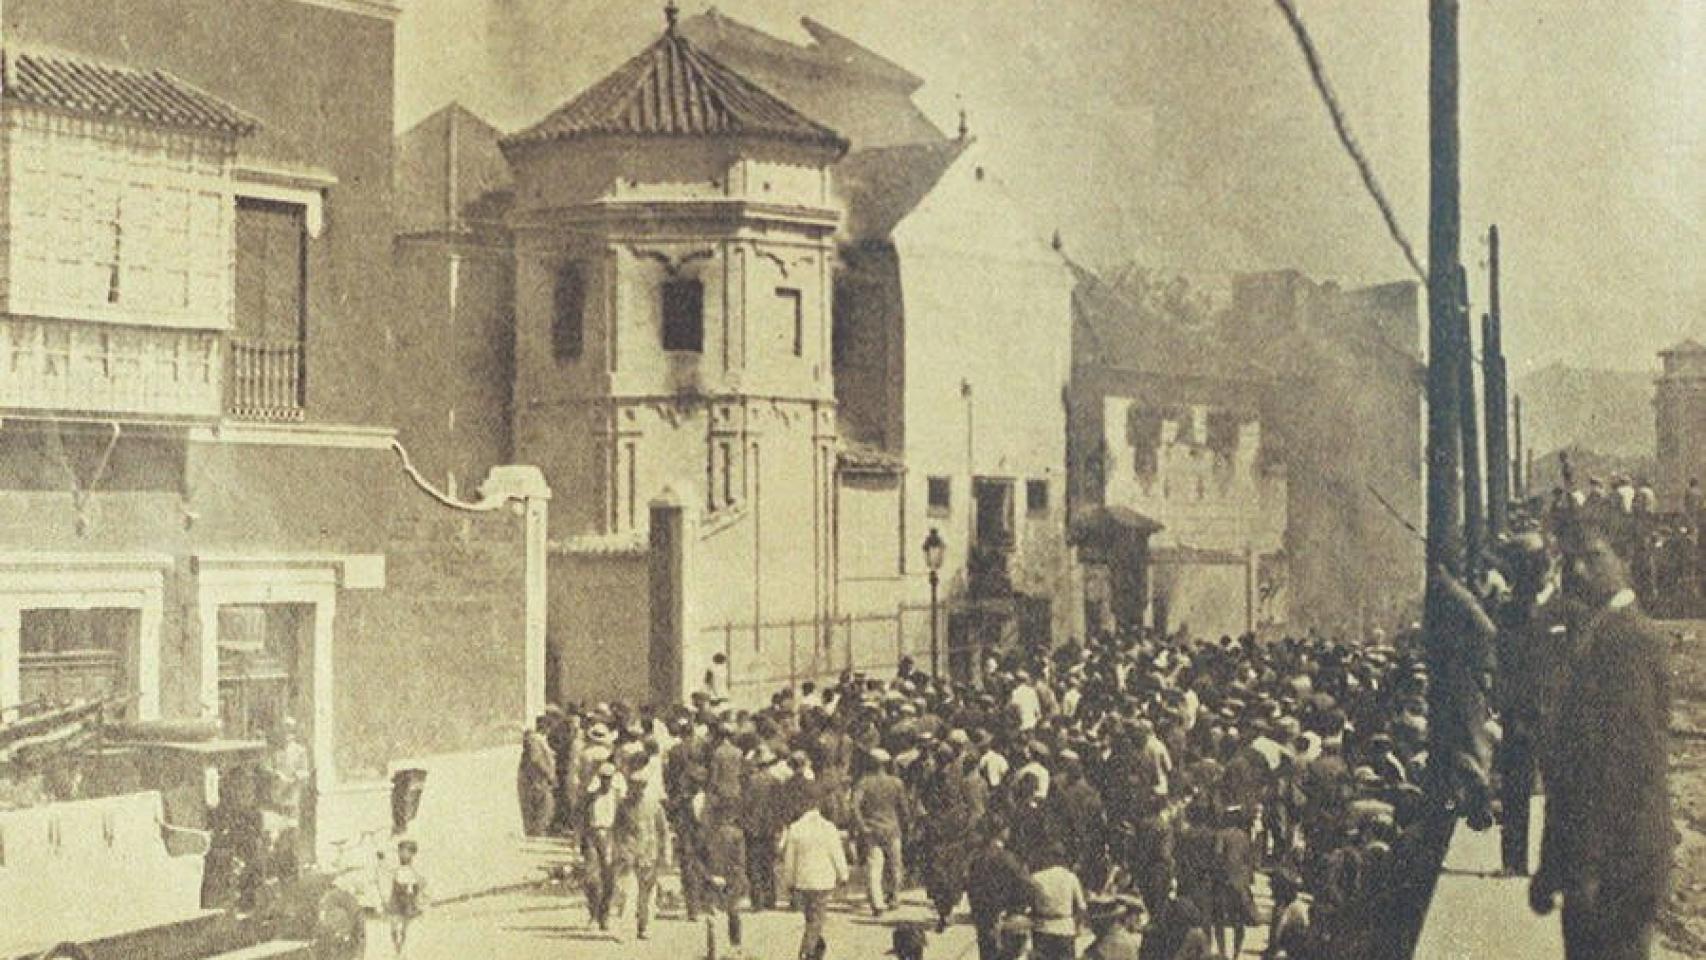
(673, 89)
(122, 93)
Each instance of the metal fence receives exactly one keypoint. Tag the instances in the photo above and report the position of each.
(789, 653)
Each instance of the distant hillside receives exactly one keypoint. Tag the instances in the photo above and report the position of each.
(1606, 411)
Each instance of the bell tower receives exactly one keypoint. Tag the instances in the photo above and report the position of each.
(674, 244)
(1679, 402)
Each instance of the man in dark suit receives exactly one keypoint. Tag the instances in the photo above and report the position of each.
(997, 885)
(1531, 642)
(1608, 834)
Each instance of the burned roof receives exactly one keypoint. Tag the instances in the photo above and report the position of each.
(61, 82)
(833, 80)
(1143, 325)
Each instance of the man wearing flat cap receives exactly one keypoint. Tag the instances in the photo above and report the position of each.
(1608, 834)
(879, 819)
(1080, 814)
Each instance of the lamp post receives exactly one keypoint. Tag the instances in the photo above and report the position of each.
(934, 550)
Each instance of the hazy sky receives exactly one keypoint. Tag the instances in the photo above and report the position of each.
(1184, 133)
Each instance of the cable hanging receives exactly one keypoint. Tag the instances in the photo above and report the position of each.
(1318, 74)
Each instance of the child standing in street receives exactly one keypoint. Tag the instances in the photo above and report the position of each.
(407, 895)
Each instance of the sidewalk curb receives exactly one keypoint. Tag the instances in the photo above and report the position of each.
(503, 888)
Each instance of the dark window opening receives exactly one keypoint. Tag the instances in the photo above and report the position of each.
(1036, 496)
(994, 502)
(841, 325)
(794, 307)
(77, 655)
(941, 495)
(568, 316)
(728, 474)
(684, 316)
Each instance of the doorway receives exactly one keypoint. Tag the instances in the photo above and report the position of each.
(994, 502)
(266, 669)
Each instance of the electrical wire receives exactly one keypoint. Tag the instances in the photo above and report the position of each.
(1317, 73)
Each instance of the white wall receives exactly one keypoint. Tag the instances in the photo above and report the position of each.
(988, 305)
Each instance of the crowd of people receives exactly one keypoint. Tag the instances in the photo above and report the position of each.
(1132, 786)
(1135, 786)
(1665, 551)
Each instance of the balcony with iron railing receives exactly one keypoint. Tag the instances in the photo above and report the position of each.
(266, 380)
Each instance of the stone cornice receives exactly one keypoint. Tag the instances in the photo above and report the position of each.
(605, 213)
(342, 436)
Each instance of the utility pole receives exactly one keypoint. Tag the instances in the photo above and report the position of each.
(1444, 444)
(1444, 481)
(1474, 500)
(1495, 387)
(1520, 480)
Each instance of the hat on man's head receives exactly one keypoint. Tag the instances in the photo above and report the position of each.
(1111, 909)
(907, 942)
(1522, 556)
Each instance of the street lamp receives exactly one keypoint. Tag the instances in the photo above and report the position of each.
(935, 548)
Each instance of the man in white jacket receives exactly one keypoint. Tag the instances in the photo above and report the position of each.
(814, 864)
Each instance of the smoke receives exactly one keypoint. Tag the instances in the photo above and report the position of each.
(1184, 133)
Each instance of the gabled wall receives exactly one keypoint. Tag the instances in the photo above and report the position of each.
(987, 334)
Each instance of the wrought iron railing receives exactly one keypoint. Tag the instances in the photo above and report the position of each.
(266, 379)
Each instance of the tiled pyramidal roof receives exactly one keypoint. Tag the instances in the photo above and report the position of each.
(673, 89)
(154, 96)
